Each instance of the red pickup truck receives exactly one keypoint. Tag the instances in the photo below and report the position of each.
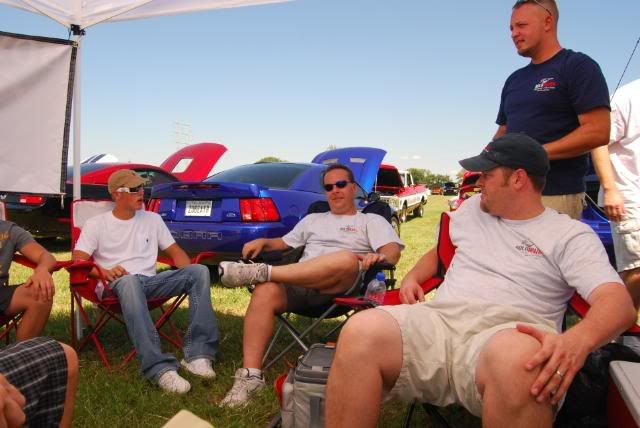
(398, 189)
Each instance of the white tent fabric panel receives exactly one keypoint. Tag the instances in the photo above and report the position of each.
(86, 13)
(35, 94)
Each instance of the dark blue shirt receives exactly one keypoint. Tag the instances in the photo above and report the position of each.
(544, 101)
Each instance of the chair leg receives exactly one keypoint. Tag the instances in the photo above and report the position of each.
(409, 414)
(433, 412)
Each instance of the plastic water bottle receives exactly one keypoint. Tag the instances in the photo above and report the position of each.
(376, 290)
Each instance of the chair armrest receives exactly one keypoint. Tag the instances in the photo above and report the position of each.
(79, 272)
(22, 260)
(581, 307)
(202, 256)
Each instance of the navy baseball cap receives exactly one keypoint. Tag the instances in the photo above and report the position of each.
(513, 151)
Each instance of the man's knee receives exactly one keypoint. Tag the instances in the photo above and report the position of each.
(501, 366)
(72, 360)
(269, 296)
(128, 288)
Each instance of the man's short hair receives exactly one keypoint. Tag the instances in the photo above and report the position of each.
(549, 5)
(537, 181)
(339, 166)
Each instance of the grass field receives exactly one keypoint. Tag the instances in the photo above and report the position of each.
(123, 398)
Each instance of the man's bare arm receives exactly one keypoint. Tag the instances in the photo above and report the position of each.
(177, 254)
(613, 200)
(502, 129)
(41, 279)
(425, 268)
(562, 355)
(252, 248)
(593, 132)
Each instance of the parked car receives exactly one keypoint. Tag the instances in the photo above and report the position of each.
(49, 217)
(467, 189)
(398, 189)
(449, 188)
(263, 200)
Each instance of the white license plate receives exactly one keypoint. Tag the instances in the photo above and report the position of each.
(198, 209)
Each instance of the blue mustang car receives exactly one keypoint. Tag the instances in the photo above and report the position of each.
(263, 200)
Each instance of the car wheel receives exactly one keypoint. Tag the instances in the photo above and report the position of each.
(403, 214)
(419, 211)
(395, 224)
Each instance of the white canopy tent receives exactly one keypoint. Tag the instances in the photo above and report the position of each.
(78, 15)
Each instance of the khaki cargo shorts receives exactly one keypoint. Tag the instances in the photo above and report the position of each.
(441, 343)
(626, 243)
(571, 205)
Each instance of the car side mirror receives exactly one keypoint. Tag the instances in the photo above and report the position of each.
(373, 197)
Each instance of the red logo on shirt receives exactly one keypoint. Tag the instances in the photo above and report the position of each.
(528, 248)
(545, 85)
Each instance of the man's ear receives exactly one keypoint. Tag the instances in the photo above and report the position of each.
(519, 178)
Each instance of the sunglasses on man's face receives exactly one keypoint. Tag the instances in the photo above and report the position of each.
(130, 189)
(339, 184)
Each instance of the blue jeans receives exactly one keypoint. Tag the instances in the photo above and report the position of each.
(201, 339)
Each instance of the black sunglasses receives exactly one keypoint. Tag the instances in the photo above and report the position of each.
(521, 2)
(339, 184)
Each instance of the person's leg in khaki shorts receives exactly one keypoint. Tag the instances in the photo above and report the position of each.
(505, 384)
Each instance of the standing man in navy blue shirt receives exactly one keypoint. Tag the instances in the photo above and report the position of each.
(560, 99)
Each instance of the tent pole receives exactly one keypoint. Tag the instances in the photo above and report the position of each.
(77, 194)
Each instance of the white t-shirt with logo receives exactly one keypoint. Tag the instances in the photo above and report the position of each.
(132, 244)
(533, 264)
(323, 233)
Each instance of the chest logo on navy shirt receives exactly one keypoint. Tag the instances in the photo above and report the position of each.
(545, 85)
(348, 229)
(528, 248)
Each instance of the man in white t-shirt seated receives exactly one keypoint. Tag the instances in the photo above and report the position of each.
(338, 244)
(124, 244)
(490, 340)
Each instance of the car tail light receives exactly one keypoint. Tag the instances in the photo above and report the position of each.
(258, 209)
(153, 205)
(31, 199)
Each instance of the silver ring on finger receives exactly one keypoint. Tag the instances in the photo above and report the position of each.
(560, 374)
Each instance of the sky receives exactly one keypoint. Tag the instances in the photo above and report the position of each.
(418, 78)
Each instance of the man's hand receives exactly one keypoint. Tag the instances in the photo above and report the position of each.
(11, 405)
(113, 273)
(41, 284)
(410, 292)
(370, 259)
(252, 248)
(559, 358)
(614, 204)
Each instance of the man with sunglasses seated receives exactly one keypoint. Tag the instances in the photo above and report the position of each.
(124, 243)
(338, 244)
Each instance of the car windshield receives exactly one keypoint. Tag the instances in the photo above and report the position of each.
(272, 175)
(388, 177)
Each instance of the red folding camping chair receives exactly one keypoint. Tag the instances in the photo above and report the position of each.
(108, 308)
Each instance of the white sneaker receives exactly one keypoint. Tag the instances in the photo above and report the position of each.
(171, 381)
(243, 388)
(200, 367)
(235, 274)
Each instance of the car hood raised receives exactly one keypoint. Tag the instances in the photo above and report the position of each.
(363, 161)
(202, 157)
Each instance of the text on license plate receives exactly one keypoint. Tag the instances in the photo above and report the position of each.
(198, 209)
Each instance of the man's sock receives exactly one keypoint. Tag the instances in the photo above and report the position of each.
(255, 372)
(268, 279)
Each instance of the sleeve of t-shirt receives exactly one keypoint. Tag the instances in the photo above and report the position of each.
(380, 232)
(165, 240)
(297, 237)
(585, 265)
(620, 107)
(587, 85)
(19, 237)
(89, 237)
(502, 118)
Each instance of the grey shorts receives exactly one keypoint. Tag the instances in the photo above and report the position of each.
(300, 298)
(441, 344)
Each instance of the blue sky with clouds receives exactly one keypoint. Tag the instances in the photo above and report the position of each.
(418, 78)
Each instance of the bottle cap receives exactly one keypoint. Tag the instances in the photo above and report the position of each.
(380, 276)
